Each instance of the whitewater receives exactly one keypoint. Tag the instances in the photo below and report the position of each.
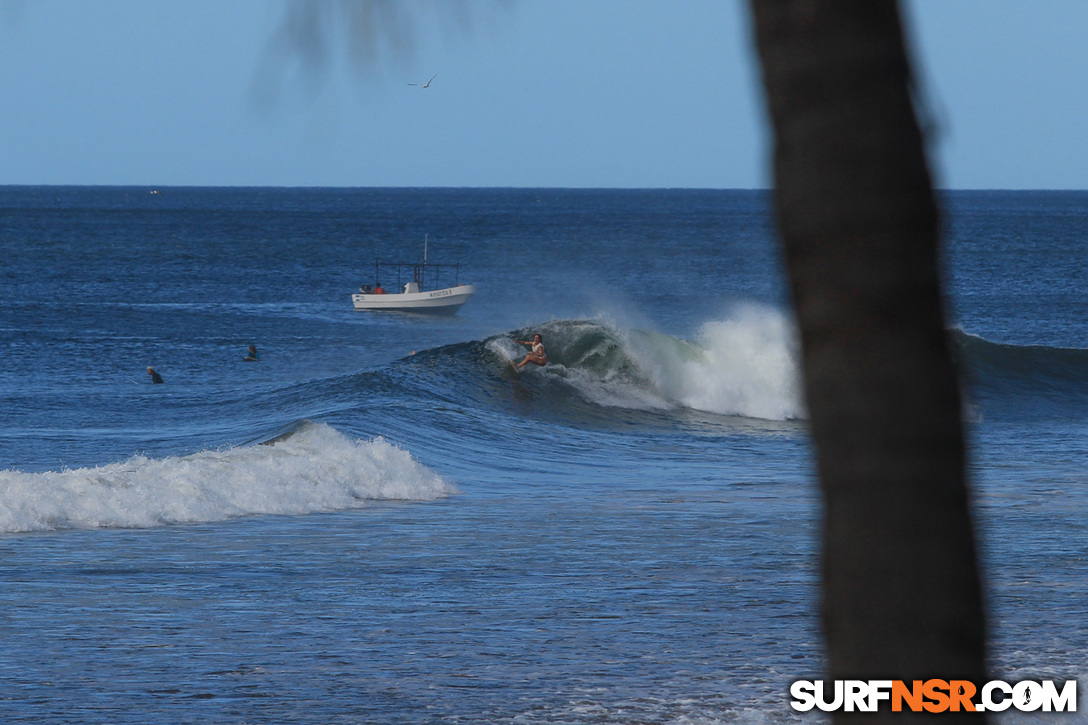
(313, 469)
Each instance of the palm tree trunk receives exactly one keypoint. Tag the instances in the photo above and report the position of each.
(859, 224)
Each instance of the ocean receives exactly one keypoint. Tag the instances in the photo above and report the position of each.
(378, 523)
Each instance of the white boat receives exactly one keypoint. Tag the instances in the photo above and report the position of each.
(428, 291)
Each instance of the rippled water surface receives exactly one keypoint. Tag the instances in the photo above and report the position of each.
(378, 522)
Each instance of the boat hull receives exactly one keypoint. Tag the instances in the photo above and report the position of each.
(433, 302)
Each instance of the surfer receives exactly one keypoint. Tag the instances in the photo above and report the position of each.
(536, 354)
(155, 377)
(252, 355)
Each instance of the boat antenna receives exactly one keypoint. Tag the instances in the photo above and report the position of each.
(424, 249)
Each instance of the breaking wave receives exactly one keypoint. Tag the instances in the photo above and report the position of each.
(746, 365)
(315, 468)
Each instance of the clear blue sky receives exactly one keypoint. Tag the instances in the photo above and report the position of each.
(581, 93)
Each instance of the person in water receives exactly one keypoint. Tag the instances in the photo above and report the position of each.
(155, 377)
(536, 354)
(252, 355)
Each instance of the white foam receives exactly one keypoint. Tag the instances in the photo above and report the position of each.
(745, 365)
(315, 469)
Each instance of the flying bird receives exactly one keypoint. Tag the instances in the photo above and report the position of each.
(424, 85)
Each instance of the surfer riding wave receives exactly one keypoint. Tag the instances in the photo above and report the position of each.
(536, 354)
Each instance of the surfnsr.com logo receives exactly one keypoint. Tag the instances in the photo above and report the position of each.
(934, 696)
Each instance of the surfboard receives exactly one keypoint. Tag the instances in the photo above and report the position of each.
(247, 358)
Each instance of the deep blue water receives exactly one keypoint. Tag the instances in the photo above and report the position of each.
(378, 523)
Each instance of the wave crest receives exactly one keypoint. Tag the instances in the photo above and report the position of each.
(316, 468)
(1025, 370)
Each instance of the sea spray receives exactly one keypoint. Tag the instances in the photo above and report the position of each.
(746, 365)
(314, 469)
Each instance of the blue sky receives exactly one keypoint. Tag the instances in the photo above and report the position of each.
(577, 93)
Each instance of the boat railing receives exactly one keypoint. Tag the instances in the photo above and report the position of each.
(425, 274)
